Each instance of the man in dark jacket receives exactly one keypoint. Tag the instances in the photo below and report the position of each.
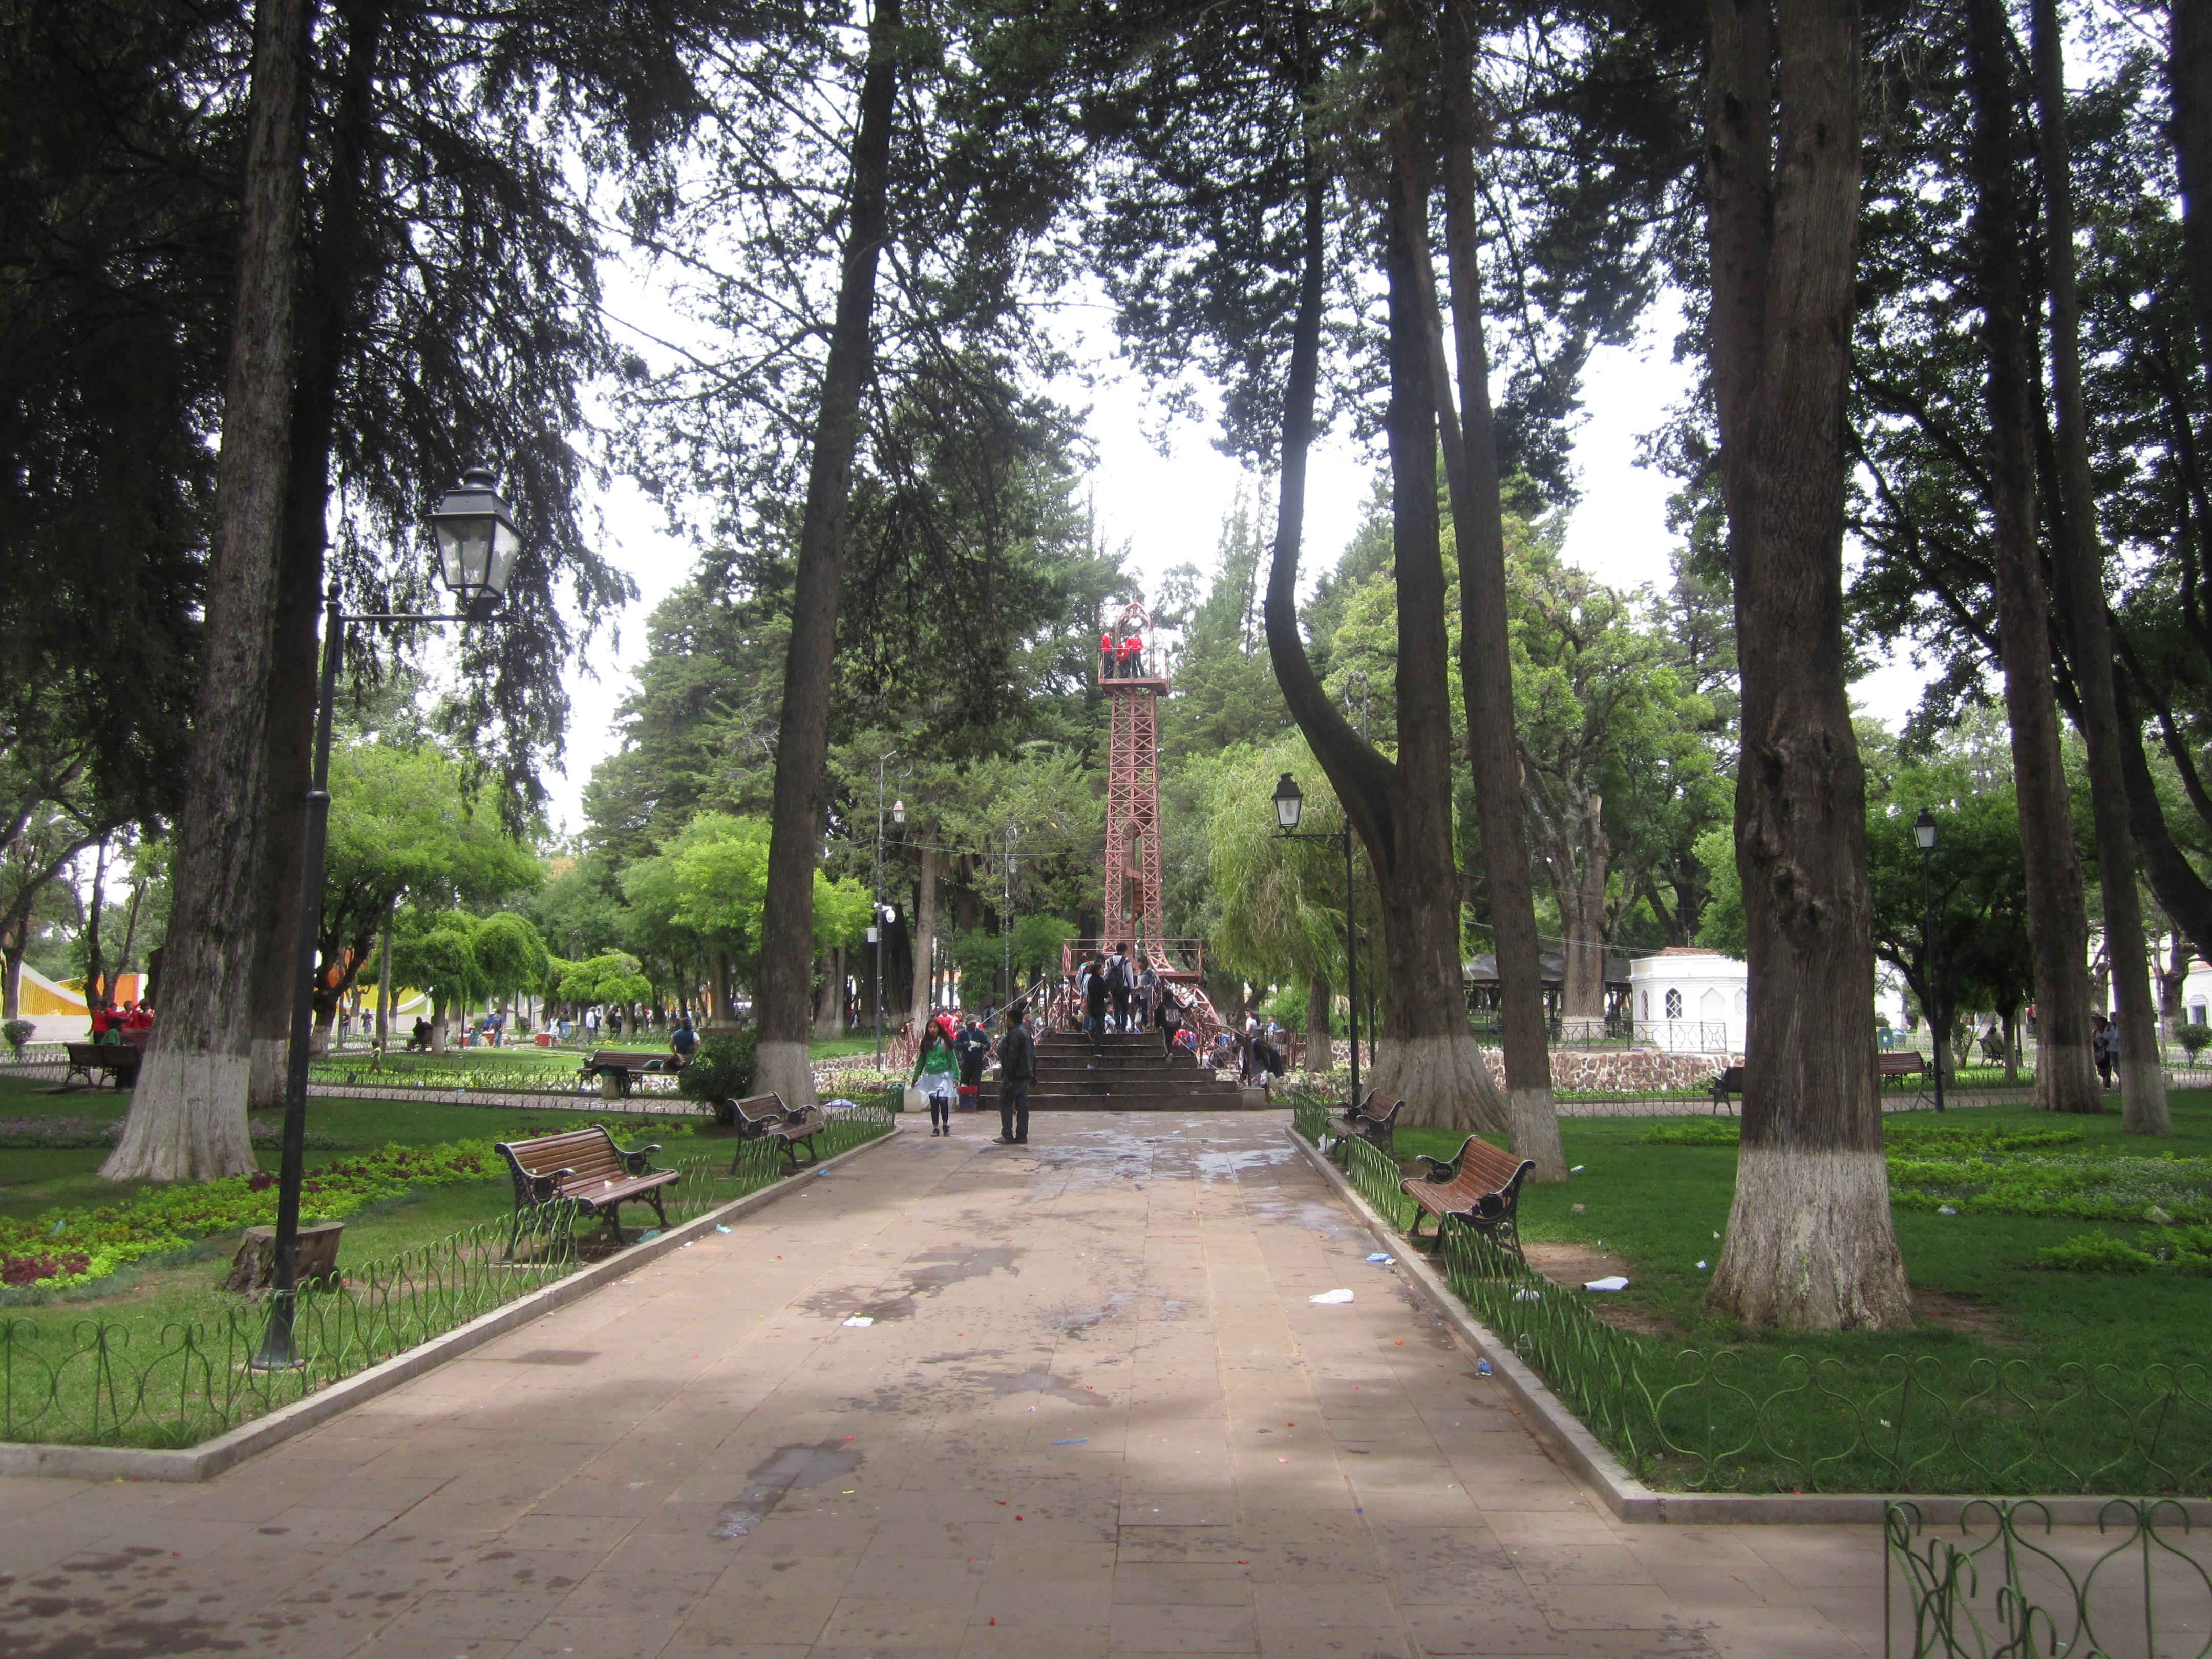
(1017, 1071)
(1095, 996)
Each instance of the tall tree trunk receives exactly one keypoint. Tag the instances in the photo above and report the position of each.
(924, 1000)
(2078, 554)
(2058, 918)
(383, 977)
(2189, 83)
(1486, 661)
(437, 1025)
(96, 988)
(829, 997)
(11, 995)
(328, 304)
(718, 990)
(187, 1117)
(1810, 1242)
(1321, 1040)
(780, 993)
(1401, 810)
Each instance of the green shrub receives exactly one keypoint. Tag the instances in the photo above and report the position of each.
(2194, 1037)
(2096, 1253)
(721, 1073)
(18, 1032)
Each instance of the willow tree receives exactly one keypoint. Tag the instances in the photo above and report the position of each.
(1810, 1242)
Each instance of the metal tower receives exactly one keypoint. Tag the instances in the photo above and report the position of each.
(1133, 787)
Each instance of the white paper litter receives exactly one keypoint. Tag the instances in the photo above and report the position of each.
(1578, 1169)
(1701, 1266)
(862, 1320)
(1527, 1296)
(1610, 1282)
(1331, 1298)
(1945, 1209)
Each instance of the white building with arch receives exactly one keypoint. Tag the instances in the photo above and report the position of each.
(1690, 1001)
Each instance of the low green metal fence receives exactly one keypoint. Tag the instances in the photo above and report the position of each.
(1764, 1417)
(2139, 1586)
(104, 1382)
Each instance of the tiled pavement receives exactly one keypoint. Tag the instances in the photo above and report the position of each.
(1095, 1414)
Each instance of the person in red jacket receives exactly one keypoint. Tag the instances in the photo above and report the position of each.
(1132, 650)
(1105, 656)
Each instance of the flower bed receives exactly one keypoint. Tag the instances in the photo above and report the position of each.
(62, 1249)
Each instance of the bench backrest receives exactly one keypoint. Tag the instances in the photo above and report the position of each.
(1902, 1065)
(1483, 1172)
(589, 1153)
(762, 1109)
(619, 1059)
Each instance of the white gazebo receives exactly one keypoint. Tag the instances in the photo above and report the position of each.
(1689, 1001)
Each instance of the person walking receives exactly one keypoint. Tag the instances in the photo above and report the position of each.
(1148, 996)
(1017, 1071)
(2105, 1047)
(937, 1073)
(1170, 1023)
(974, 1048)
(1121, 985)
(1095, 996)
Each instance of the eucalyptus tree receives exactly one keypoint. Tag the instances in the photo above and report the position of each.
(1810, 1240)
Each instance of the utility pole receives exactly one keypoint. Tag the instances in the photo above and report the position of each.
(1006, 921)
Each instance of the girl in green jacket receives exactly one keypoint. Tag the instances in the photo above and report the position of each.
(937, 1073)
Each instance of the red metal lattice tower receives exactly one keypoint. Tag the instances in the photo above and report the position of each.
(1133, 787)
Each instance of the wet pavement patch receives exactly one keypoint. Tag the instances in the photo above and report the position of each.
(794, 1468)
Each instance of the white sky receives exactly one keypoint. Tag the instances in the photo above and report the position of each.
(1170, 509)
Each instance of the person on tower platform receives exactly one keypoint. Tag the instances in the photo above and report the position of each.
(1133, 652)
(1106, 656)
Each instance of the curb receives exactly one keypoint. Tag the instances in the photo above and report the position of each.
(212, 1457)
(1608, 1477)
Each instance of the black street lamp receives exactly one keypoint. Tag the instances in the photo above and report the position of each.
(476, 547)
(1924, 835)
(1290, 805)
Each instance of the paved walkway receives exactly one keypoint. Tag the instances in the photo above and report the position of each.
(1095, 1414)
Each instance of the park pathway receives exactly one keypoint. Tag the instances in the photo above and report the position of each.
(1094, 1413)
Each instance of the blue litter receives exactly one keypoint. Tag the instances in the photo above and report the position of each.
(650, 1232)
(1379, 1256)
(720, 1228)
(1482, 1368)
(1085, 1440)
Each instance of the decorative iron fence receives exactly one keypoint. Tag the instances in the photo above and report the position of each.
(2139, 1586)
(1763, 1418)
(103, 1381)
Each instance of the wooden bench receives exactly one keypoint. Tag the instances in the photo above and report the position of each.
(1903, 1064)
(614, 1067)
(117, 1061)
(765, 1117)
(585, 1168)
(1728, 1082)
(1481, 1186)
(1379, 1129)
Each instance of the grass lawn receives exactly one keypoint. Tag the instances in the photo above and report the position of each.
(155, 1292)
(1658, 1210)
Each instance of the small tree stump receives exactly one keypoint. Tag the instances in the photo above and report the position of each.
(315, 1262)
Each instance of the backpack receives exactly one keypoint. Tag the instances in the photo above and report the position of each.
(1117, 972)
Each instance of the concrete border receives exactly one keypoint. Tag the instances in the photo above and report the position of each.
(1608, 1477)
(212, 1457)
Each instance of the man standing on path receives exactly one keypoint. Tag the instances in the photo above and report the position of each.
(1120, 980)
(1017, 1071)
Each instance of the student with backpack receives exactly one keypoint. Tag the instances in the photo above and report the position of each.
(1120, 982)
(1170, 1023)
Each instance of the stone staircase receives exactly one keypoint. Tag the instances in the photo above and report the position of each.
(1130, 1075)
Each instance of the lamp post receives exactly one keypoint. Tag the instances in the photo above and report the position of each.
(876, 933)
(1290, 805)
(1924, 835)
(1006, 921)
(477, 543)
